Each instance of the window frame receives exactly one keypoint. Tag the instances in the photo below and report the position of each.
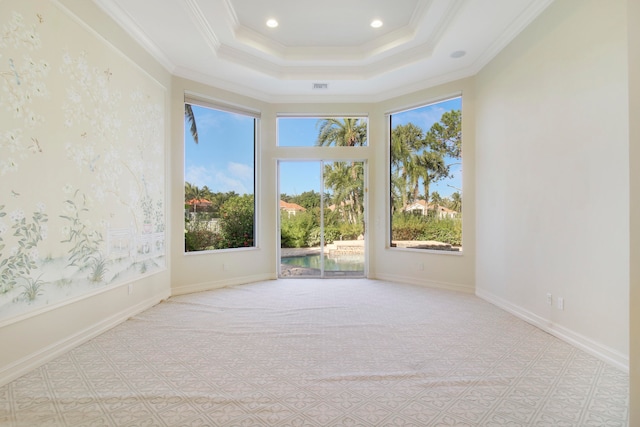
(389, 244)
(222, 106)
(321, 116)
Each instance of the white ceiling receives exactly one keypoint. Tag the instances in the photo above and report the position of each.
(226, 43)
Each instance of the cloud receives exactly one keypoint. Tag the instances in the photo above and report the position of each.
(236, 177)
(241, 171)
(199, 176)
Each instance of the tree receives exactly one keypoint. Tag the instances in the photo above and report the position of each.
(417, 159)
(190, 118)
(446, 135)
(436, 199)
(192, 192)
(346, 179)
(432, 168)
(456, 202)
(308, 200)
(347, 192)
(236, 225)
(405, 141)
(348, 132)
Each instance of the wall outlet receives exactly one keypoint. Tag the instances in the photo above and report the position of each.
(549, 298)
(224, 267)
(560, 303)
(130, 288)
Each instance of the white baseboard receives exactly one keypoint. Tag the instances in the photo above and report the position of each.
(423, 282)
(602, 352)
(35, 360)
(217, 284)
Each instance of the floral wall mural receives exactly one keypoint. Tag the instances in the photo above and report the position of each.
(82, 201)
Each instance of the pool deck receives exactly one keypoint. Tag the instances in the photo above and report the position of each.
(293, 252)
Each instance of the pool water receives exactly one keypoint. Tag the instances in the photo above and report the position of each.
(344, 263)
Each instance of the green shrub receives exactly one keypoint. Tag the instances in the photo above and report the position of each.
(444, 230)
(408, 226)
(236, 223)
(198, 236)
(297, 231)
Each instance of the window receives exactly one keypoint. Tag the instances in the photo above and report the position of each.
(322, 132)
(426, 177)
(219, 178)
(322, 199)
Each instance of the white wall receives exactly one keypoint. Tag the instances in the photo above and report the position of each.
(193, 272)
(33, 338)
(553, 176)
(633, 14)
(429, 268)
(207, 270)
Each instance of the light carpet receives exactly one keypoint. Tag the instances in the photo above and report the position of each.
(312, 352)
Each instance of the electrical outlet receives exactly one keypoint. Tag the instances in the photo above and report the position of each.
(549, 298)
(560, 303)
(130, 288)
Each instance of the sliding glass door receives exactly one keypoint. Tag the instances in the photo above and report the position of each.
(321, 224)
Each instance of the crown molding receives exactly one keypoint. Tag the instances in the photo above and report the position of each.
(534, 10)
(201, 23)
(125, 21)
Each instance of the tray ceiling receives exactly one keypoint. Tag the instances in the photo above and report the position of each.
(227, 44)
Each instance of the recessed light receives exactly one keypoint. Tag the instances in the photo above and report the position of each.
(458, 54)
(272, 23)
(376, 23)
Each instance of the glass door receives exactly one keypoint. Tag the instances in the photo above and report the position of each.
(321, 224)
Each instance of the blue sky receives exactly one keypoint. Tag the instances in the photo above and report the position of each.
(223, 159)
(425, 117)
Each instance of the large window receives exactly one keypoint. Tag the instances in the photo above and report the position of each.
(426, 177)
(322, 200)
(322, 131)
(219, 178)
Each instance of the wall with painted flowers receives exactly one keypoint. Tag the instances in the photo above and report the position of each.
(82, 168)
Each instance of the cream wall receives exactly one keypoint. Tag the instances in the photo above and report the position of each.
(633, 14)
(553, 176)
(543, 115)
(207, 270)
(36, 337)
(430, 268)
(193, 272)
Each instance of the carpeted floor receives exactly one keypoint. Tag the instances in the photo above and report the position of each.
(307, 352)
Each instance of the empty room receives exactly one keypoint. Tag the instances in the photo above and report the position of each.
(337, 213)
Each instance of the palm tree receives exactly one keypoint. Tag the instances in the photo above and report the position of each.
(348, 132)
(456, 202)
(432, 168)
(436, 199)
(347, 193)
(345, 132)
(192, 192)
(190, 118)
(405, 140)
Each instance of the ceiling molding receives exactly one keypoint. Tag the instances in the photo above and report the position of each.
(330, 72)
(222, 52)
(511, 32)
(128, 24)
(393, 40)
(234, 22)
(200, 20)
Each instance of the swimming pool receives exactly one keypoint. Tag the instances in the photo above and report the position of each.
(342, 263)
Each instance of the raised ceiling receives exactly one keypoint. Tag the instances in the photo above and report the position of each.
(227, 44)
